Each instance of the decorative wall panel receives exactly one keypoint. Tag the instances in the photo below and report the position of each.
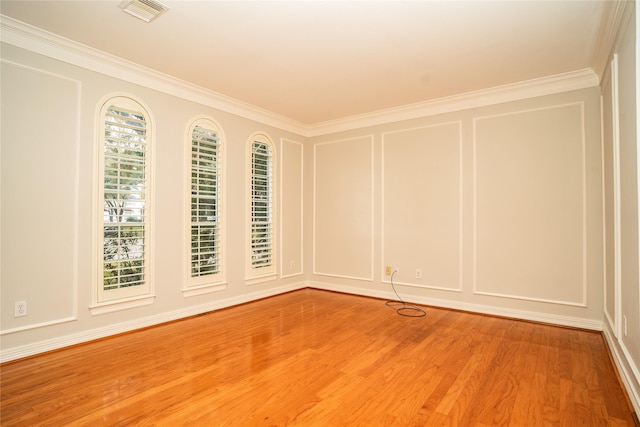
(39, 196)
(343, 208)
(529, 205)
(422, 205)
(291, 197)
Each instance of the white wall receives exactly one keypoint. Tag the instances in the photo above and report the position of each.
(343, 197)
(620, 94)
(454, 195)
(499, 208)
(40, 145)
(48, 143)
(422, 204)
(530, 190)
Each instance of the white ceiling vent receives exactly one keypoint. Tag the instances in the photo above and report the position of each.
(147, 10)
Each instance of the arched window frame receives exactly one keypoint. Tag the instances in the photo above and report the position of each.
(141, 214)
(197, 279)
(255, 270)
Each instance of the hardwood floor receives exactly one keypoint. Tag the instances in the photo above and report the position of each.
(316, 358)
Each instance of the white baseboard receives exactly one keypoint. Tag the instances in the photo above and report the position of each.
(131, 325)
(629, 373)
(575, 322)
(85, 336)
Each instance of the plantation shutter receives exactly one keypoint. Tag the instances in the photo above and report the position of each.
(205, 209)
(125, 199)
(261, 205)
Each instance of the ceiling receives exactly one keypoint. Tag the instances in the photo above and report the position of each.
(318, 61)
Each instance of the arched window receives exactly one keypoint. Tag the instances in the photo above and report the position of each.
(262, 233)
(205, 207)
(124, 162)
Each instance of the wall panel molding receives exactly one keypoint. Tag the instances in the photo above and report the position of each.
(617, 196)
(285, 264)
(427, 158)
(56, 137)
(343, 208)
(528, 206)
(612, 219)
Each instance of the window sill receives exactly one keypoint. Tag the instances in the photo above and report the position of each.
(110, 307)
(260, 279)
(204, 289)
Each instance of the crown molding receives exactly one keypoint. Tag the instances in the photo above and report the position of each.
(615, 16)
(558, 83)
(34, 39)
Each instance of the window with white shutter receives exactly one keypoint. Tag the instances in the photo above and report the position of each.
(261, 233)
(124, 184)
(205, 205)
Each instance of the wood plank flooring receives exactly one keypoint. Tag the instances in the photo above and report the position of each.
(316, 358)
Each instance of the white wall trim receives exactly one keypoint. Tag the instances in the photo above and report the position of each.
(38, 325)
(554, 319)
(203, 289)
(85, 336)
(249, 281)
(617, 208)
(603, 189)
(585, 210)
(299, 269)
(372, 207)
(460, 201)
(143, 322)
(627, 370)
(342, 276)
(417, 285)
(28, 37)
(549, 85)
(616, 14)
(125, 304)
(583, 302)
(527, 298)
(73, 315)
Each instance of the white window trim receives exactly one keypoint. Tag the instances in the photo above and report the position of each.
(124, 298)
(193, 286)
(262, 274)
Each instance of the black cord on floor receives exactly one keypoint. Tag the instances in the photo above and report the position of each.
(404, 308)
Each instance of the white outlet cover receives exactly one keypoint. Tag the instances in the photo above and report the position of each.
(20, 309)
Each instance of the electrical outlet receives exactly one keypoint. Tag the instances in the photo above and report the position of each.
(20, 309)
(418, 273)
(292, 265)
(624, 325)
(387, 271)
